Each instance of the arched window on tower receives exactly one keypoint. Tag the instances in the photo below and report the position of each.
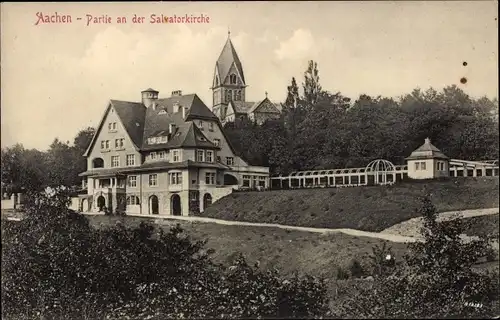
(232, 78)
(229, 95)
(238, 95)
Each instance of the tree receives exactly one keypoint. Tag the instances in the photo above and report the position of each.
(311, 86)
(436, 281)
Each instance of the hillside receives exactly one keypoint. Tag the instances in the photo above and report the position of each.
(363, 208)
(288, 251)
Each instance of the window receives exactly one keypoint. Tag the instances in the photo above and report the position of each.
(211, 126)
(153, 180)
(164, 139)
(232, 78)
(115, 161)
(153, 155)
(422, 165)
(132, 181)
(238, 95)
(229, 161)
(119, 143)
(262, 181)
(210, 156)
(130, 159)
(133, 200)
(218, 159)
(162, 155)
(200, 155)
(210, 178)
(175, 178)
(105, 144)
(246, 181)
(151, 140)
(112, 126)
(217, 142)
(229, 95)
(175, 156)
(200, 125)
(417, 165)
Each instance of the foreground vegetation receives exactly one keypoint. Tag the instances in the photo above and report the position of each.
(340, 208)
(56, 265)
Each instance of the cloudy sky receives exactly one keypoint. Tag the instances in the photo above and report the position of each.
(57, 78)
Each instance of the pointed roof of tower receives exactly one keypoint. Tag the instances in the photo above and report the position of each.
(427, 151)
(227, 57)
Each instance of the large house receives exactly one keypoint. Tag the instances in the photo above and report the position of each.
(162, 156)
(229, 97)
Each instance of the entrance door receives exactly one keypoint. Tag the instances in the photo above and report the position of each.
(153, 205)
(101, 202)
(175, 205)
(207, 200)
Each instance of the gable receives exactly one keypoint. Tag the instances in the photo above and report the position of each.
(230, 109)
(111, 129)
(266, 106)
(216, 77)
(235, 71)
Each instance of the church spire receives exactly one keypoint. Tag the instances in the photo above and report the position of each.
(227, 58)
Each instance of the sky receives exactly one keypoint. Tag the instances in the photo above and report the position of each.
(57, 78)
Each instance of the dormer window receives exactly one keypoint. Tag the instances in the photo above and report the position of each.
(211, 126)
(163, 139)
(153, 155)
(200, 125)
(162, 112)
(232, 79)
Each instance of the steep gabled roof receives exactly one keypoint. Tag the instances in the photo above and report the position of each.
(227, 58)
(427, 151)
(189, 136)
(241, 106)
(131, 115)
(258, 104)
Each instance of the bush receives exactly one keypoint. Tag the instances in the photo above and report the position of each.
(436, 281)
(55, 265)
(356, 269)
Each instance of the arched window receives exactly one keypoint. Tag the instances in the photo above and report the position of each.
(98, 163)
(232, 79)
(238, 95)
(229, 95)
(133, 200)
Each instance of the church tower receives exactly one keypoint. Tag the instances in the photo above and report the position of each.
(229, 81)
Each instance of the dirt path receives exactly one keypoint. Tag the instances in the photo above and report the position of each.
(411, 228)
(358, 233)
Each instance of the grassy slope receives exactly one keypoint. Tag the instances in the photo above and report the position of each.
(363, 208)
(482, 225)
(288, 251)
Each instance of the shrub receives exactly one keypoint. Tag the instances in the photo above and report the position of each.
(342, 274)
(55, 265)
(436, 281)
(356, 270)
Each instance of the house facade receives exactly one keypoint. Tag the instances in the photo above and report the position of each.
(229, 91)
(165, 156)
(428, 162)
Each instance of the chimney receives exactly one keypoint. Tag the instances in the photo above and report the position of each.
(177, 93)
(171, 128)
(148, 97)
(176, 107)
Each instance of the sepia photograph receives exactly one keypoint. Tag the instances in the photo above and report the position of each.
(250, 160)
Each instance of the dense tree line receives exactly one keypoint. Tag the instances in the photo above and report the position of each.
(320, 129)
(55, 265)
(31, 169)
